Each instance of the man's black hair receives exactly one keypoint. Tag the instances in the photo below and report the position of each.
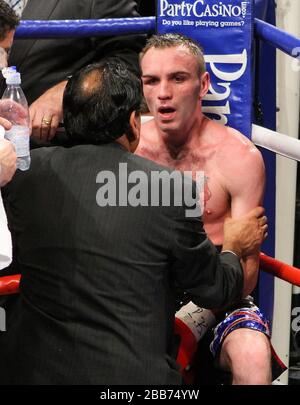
(99, 100)
(8, 19)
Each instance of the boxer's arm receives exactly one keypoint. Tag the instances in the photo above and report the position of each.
(246, 189)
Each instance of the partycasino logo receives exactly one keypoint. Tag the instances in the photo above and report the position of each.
(201, 8)
(219, 94)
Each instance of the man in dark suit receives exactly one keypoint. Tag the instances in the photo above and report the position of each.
(97, 290)
(45, 65)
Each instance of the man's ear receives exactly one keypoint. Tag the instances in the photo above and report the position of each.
(205, 82)
(135, 125)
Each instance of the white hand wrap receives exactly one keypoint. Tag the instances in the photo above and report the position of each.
(199, 320)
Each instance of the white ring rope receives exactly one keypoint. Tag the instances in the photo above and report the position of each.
(274, 141)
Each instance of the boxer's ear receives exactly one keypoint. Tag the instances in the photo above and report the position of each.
(205, 82)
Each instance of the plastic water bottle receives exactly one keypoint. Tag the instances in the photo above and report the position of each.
(14, 107)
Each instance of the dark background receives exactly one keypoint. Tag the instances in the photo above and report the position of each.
(147, 8)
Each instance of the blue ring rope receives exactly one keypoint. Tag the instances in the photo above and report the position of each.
(44, 29)
(277, 38)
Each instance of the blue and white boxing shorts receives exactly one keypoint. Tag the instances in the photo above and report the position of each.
(246, 315)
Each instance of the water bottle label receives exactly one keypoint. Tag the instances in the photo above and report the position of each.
(19, 136)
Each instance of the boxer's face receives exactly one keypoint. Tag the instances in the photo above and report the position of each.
(172, 87)
(5, 45)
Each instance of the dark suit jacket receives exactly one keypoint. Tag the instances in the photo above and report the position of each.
(44, 63)
(97, 291)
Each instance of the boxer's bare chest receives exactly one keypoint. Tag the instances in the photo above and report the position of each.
(216, 197)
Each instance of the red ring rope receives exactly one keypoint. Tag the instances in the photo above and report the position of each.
(10, 284)
(280, 269)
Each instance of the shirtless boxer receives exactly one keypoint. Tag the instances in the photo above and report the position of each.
(180, 136)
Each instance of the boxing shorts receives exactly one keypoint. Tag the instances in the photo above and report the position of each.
(245, 314)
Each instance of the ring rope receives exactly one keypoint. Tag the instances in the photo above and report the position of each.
(276, 142)
(286, 272)
(277, 37)
(45, 29)
(9, 284)
(279, 269)
(41, 29)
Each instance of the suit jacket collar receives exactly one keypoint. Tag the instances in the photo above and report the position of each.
(38, 9)
(34, 10)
